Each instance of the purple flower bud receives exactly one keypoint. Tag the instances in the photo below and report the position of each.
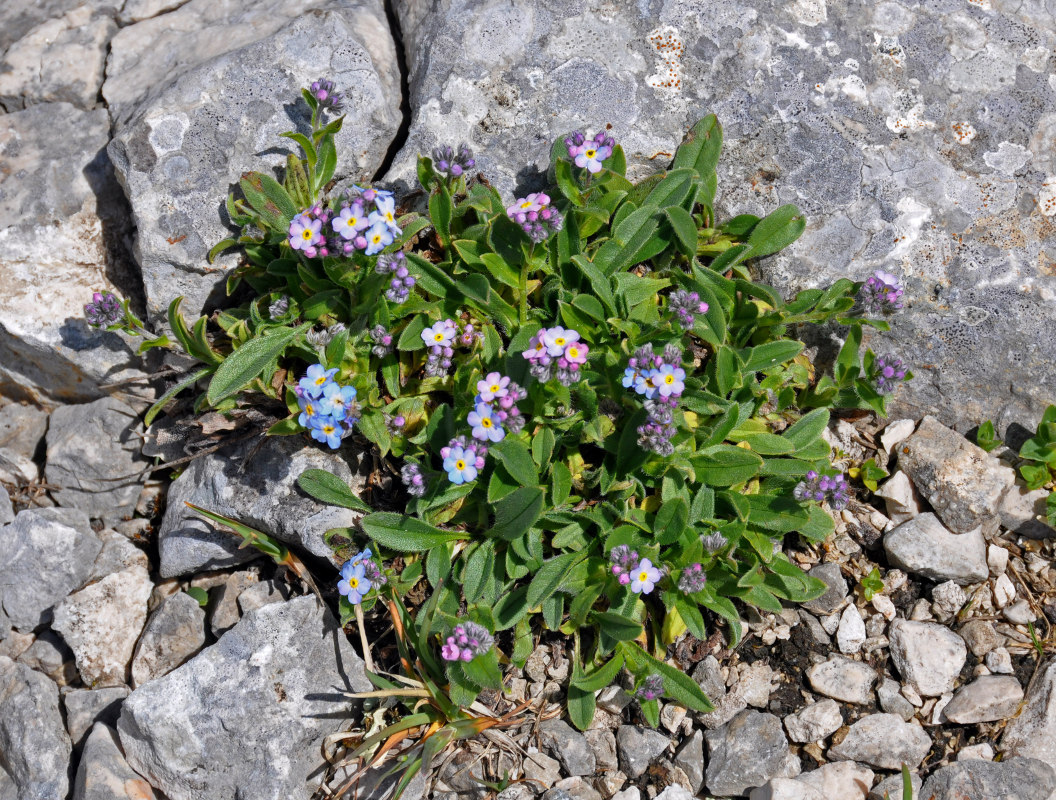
(329, 100)
(104, 310)
(413, 480)
(651, 689)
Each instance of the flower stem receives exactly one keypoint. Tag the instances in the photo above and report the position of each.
(368, 662)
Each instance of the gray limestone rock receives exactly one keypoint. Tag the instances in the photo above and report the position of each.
(85, 707)
(891, 788)
(924, 546)
(892, 700)
(638, 748)
(232, 83)
(103, 773)
(33, 740)
(7, 510)
(690, 759)
(746, 752)
(843, 679)
(885, 741)
(956, 198)
(785, 789)
(816, 721)
(22, 428)
(834, 596)
(250, 711)
(93, 457)
(928, 656)
(963, 483)
(173, 634)
(59, 60)
(224, 609)
(843, 779)
(602, 743)
(63, 235)
(257, 484)
(51, 656)
(1024, 511)
(118, 554)
(1032, 734)
(569, 746)
(986, 699)
(1014, 779)
(102, 622)
(48, 554)
(262, 594)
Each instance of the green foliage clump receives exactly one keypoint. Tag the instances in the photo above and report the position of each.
(600, 512)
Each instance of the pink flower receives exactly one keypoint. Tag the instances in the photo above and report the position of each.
(576, 353)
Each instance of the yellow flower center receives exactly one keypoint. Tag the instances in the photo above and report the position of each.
(388, 216)
(590, 153)
(560, 341)
(320, 380)
(460, 465)
(353, 582)
(375, 238)
(526, 204)
(328, 429)
(669, 379)
(438, 337)
(573, 352)
(494, 387)
(486, 422)
(310, 409)
(306, 234)
(643, 576)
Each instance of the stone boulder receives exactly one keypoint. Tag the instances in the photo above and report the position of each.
(33, 740)
(48, 553)
(64, 234)
(246, 717)
(103, 773)
(256, 484)
(200, 95)
(916, 139)
(94, 458)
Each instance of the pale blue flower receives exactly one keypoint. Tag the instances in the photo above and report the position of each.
(354, 584)
(315, 379)
(327, 429)
(460, 465)
(486, 427)
(378, 238)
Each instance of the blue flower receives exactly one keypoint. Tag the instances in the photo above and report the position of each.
(630, 377)
(644, 384)
(460, 465)
(485, 426)
(354, 584)
(326, 429)
(315, 379)
(378, 238)
(312, 408)
(385, 214)
(669, 380)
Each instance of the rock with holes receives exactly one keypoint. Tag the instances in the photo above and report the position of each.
(246, 717)
(255, 483)
(64, 234)
(957, 199)
(232, 85)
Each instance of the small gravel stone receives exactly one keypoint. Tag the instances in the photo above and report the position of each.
(569, 746)
(85, 707)
(843, 679)
(173, 634)
(726, 708)
(885, 741)
(1018, 778)
(1019, 613)
(754, 684)
(50, 655)
(843, 779)
(980, 636)
(224, 611)
(540, 767)
(924, 546)
(613, 699)
(947, 599)
(675, 793)
(603, 744)
(638, 747)
(999, 661)
(102, 622)
(690, 759)
(851, 634)
(261, 594)
(976, 752)
(103, 773)
(817, 632)
(746, 752)
(882, 603)
(901, 499)
(1033, 732)
(896, 431)
(1004, 591)
(892, 700)
(816, 721)
(836, 593)
(963, 483)
(996, 559)
(1024, 511)
(7, 510)
(891, 788)
(577, 789)
(928, 656)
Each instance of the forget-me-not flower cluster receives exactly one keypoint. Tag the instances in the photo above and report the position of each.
(328, 409)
